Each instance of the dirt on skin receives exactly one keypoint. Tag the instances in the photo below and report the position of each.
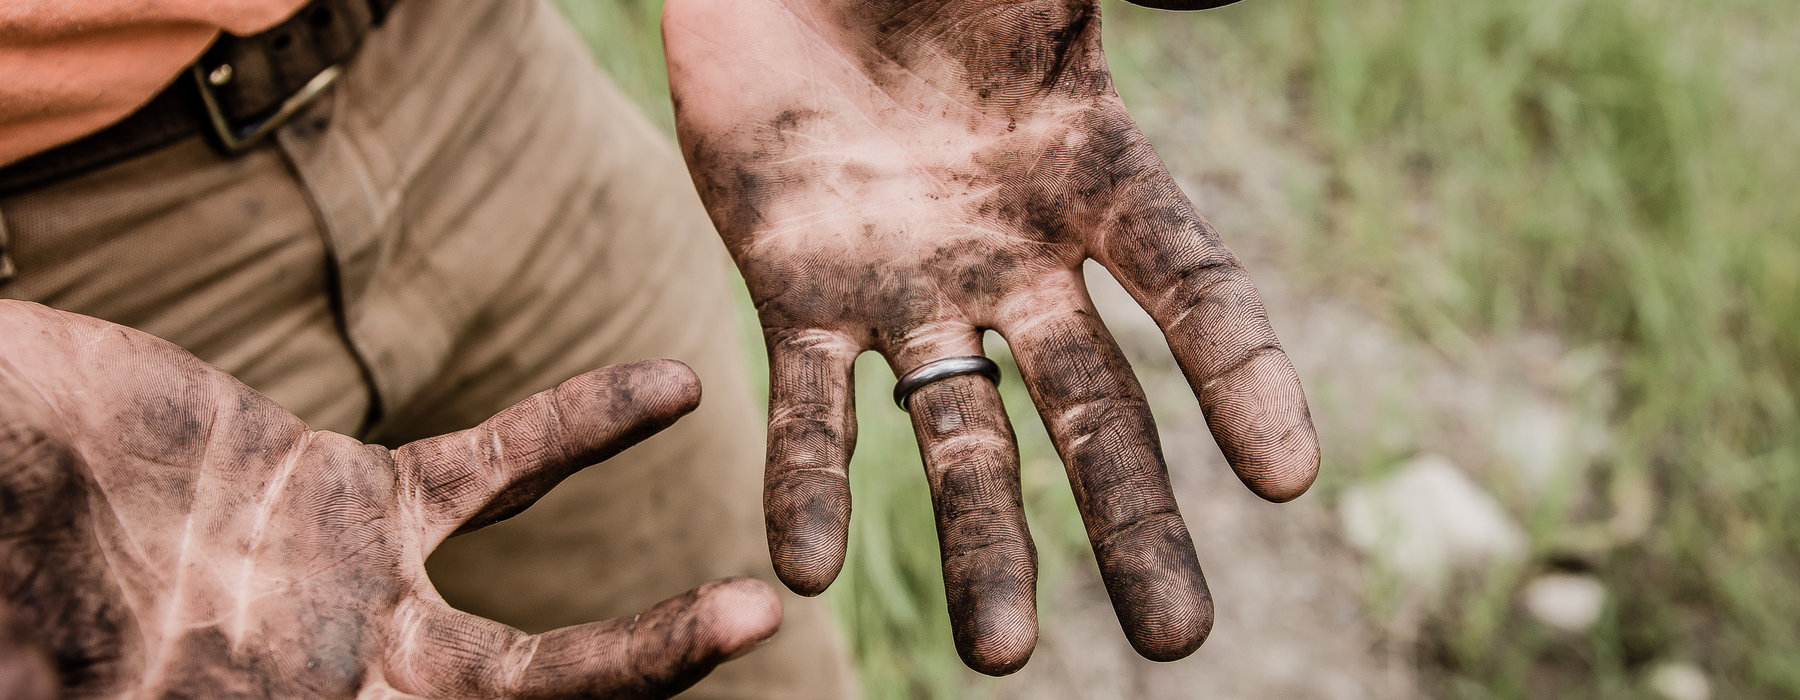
(1291, 617)
(202, 537)
(912, 174)
(1292, 620)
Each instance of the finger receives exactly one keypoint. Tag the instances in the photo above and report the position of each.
(972, 463)
(812, 431)
(468, 479)
(1101, 425)
(1179, 270)
(441, 652)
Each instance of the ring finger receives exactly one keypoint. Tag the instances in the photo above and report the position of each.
(972, 463)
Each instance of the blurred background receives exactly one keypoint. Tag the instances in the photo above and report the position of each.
(1538, 263)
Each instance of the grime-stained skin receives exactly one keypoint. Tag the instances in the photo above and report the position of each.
(167, 532)
(901, 176)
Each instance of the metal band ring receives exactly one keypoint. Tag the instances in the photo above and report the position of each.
(943, 369)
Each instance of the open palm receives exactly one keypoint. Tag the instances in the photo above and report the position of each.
(902, 176)
(164, 530)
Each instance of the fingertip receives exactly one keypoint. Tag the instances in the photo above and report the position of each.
(1294, 468)
(990, 587)
(1282, 493)
(1174, 639)
(673, 382)
(1288, 487)
(1174, 630)
(629, 400)
(807, 516)
(1158, 591)
(806, 575)
(1257, 411)
(1002, 645)
(741, 613)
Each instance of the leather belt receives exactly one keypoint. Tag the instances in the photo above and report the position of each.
(239, 92)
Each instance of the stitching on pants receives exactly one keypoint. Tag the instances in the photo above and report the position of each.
(319, 117)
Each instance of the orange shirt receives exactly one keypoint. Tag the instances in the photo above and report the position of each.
(69, 68)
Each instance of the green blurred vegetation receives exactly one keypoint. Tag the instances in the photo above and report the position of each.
(1620, 173)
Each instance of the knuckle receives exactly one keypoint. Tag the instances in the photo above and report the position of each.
(1212, 282)
(969, 447)
(1241, 368)
(1084, 421)
(1127, 528)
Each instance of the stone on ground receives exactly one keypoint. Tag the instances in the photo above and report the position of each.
(1567, 602)
(1680, 681)
(1427, 521)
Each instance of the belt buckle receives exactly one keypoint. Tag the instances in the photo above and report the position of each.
(236, 138)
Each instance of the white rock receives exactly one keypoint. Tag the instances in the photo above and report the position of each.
(1680, 681)
(1568, 602)
(1426, 521)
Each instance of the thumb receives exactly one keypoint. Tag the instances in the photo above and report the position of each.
(667, 648)
(654, 654)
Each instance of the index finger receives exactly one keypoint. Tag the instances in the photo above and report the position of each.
(1179, 270)
(475, 477)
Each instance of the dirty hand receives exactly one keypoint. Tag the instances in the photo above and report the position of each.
(163, 528)
(901, 176)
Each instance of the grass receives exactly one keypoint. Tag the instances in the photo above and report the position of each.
(1620, 174)
(1617, 173)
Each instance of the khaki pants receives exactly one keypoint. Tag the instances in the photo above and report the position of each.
(473, 215)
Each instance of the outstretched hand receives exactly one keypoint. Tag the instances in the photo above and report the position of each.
(164, 528)
(902, 176)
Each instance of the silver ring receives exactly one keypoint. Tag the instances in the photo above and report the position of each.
(943, 369)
